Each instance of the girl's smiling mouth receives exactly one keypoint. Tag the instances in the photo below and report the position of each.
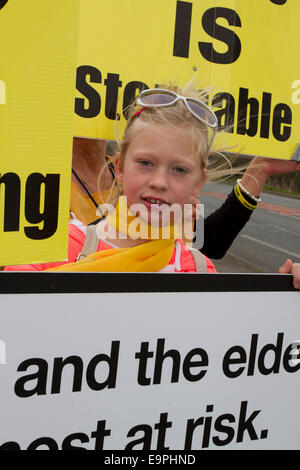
(154, 201)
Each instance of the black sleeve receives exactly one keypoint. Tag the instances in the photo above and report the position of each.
(222, 226)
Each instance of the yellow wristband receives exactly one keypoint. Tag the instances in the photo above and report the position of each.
(242, 200)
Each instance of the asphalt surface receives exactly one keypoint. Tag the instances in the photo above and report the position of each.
(270, 237)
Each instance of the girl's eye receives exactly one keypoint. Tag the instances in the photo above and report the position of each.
(180, 171)
(145, 163)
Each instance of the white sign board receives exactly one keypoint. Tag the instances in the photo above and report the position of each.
(150, 370)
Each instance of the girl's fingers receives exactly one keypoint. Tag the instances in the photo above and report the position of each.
(296, 275)
(286, 268)
(291, 268)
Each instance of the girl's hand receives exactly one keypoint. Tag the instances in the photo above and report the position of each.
(260, 169)
(274, 166)
(291, 268)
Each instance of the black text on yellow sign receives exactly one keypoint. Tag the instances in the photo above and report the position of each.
(213, 29)
(2, 3)
(40, 199)
(275, 118)
(217, 41)
(255, 115)
(36, 127)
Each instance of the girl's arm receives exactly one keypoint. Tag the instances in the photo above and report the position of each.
(222, 226)
(260, 169)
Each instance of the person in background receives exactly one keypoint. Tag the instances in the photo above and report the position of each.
(88, 162)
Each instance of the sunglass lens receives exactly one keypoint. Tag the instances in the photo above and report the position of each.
(202, 112)
(155, 99)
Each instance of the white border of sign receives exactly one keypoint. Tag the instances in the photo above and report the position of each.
(158, 366)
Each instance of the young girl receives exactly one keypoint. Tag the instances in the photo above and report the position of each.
(162, 164)
(162, 161)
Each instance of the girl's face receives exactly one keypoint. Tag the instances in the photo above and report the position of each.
(160, 167)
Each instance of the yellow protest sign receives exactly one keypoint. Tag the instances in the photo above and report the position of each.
(37, 75)
(244, 52)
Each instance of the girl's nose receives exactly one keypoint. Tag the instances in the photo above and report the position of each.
(159, 180)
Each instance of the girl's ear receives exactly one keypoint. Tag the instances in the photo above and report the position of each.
(118, 167)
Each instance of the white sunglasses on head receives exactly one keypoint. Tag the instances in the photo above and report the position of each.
(158, 97)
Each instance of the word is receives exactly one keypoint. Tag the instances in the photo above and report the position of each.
(210, 24)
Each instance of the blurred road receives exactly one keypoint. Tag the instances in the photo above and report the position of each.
(271, 236)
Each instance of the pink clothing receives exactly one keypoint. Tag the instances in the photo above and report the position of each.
(181, 261)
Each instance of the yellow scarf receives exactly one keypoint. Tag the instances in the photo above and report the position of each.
(150, 256)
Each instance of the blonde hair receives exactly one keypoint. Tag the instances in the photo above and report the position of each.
(177, 116)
